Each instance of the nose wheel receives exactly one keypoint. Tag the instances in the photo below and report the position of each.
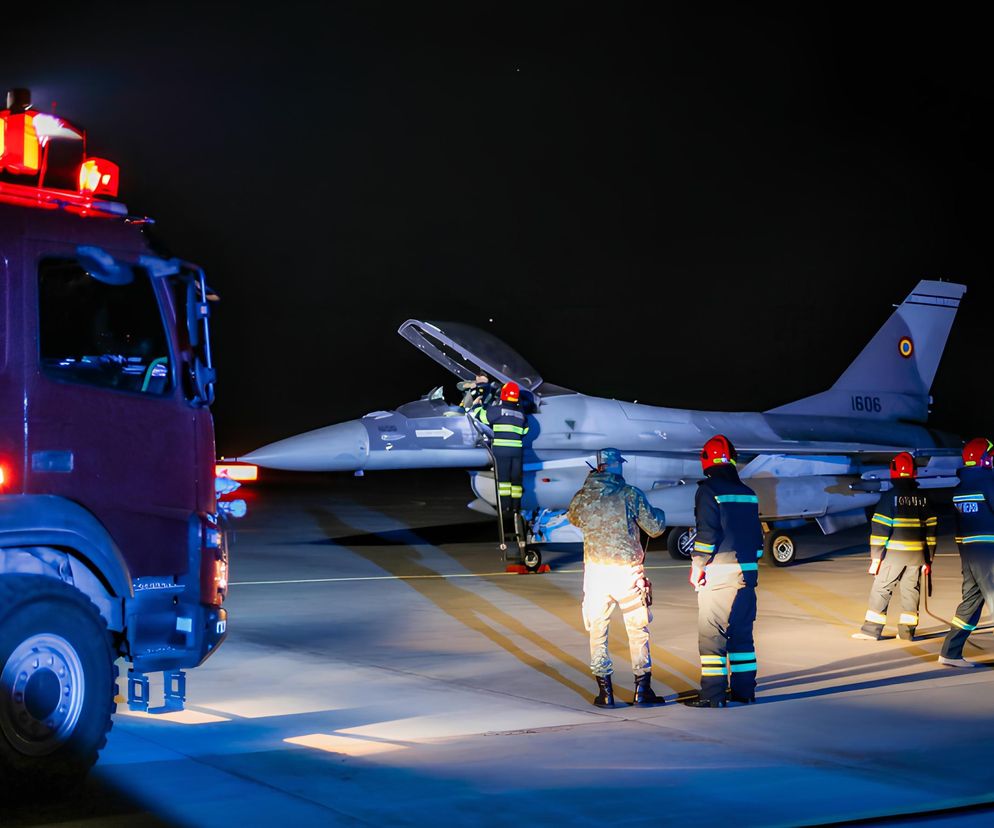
(532, 559)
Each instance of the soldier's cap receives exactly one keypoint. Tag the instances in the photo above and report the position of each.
(610, 457)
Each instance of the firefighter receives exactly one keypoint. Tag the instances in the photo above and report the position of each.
(509, 422)
(974, 502)
(609, 512)
(724, 571)
(902, 545)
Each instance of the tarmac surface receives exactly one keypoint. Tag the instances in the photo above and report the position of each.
(382, 669)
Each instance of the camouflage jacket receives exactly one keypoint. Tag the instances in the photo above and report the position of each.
(609, 513)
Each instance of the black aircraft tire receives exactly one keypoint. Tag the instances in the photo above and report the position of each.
(532, 558)
(57, 681)
(680, 542)
(780, 548)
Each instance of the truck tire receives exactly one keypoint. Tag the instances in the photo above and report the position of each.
(57, 682)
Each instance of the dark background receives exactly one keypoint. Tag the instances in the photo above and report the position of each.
(708, 209)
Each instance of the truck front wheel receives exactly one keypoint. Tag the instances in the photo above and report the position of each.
(56, 679)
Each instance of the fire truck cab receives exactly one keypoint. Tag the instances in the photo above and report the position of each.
(111, 544)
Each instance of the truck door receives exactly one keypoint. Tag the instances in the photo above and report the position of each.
(107, 426)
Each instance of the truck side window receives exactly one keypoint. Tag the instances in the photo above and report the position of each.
(100, 334)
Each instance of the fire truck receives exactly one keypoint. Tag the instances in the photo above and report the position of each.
(111, 542)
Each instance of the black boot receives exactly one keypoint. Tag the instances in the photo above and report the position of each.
(605, 698)
(732, 697)
(644, 694)
(699, 701)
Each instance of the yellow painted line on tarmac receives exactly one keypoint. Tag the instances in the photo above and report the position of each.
(436, 576)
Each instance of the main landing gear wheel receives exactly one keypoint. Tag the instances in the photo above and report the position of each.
(532, 559)
(781, 548)
(56, 680)
(680, 543)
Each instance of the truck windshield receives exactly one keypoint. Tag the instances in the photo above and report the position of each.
(100, 334)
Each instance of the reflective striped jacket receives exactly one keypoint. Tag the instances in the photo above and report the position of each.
(903, 527)
(728, 528)
(974, 502)
(508, 423)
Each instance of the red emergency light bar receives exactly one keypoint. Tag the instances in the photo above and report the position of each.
(25, 139)
(83, 204)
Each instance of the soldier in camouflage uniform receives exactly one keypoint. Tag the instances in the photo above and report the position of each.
(609, 512)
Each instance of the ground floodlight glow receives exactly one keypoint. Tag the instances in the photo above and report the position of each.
(344, 744)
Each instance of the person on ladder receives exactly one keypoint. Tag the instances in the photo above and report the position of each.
(508, 420)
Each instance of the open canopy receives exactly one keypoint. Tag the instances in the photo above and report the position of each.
(467, 351)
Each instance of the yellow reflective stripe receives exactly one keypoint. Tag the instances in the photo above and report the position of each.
(963, 625)
(703, 547)
(878, 540)
(976, 539)
(507, 442)
(909, 618)
(875, 617)
(511, 428)
(882, 519)
(907, 523)
(714, 671)
(932, 521)
(712, 659)
(905, 546)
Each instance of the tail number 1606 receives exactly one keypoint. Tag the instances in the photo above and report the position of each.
(864, 403)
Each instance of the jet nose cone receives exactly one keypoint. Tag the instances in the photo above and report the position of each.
(339, 447)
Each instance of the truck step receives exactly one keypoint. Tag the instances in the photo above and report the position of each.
(173, 692)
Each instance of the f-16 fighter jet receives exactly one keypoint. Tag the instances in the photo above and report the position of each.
(823, 458)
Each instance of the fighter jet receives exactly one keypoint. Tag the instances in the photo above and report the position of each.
(823, 458)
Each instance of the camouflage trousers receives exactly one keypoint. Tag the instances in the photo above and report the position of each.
(606, 586)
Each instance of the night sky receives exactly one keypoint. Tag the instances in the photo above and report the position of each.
(699, 209)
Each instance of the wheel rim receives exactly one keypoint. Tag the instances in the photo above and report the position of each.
(41, 694)
(783, 549)
(531, 558)
(685, 542)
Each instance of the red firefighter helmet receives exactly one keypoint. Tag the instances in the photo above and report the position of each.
(510, 392)
(978, 452)
(718, 450)
(902, 466)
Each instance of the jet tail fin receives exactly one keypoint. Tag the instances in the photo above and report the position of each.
(891, 378)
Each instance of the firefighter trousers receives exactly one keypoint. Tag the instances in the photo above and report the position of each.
(726, 613)
(892, 572)
(509, 472)
(978, 587)
(606, 586)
